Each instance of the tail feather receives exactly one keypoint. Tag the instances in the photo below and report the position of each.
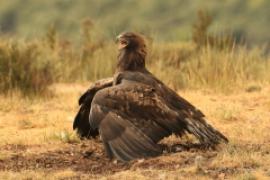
(81, 124)
(205, 133)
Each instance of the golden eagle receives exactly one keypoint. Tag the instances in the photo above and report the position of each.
(134, 110)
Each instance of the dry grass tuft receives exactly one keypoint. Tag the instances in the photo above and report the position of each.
(64, 136)
(22, 68)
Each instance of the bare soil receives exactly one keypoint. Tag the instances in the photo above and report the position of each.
(88, 157)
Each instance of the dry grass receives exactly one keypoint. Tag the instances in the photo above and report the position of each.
(38, 126)
(30, 66)
(224, 71)
(23, 68)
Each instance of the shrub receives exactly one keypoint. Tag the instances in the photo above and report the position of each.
(21, 68)
(201, 37)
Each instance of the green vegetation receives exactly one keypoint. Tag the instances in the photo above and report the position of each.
(208, 60)
(169, 20)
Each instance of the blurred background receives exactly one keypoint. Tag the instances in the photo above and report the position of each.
(219, 45)
(169, 20)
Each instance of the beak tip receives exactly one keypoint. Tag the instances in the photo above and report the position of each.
(119, 36)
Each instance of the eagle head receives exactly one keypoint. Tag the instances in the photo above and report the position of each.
(132, 52)
(130, 40)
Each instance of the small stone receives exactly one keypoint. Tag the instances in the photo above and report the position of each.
(115, 161)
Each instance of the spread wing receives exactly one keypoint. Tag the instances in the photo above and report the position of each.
(192, 118)
(132, 117)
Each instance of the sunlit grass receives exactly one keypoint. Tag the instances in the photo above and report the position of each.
(30, 66)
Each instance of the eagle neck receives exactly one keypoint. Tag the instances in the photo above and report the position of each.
(131, 61)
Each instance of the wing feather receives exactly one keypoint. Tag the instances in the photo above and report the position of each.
(132, 117)
(81, 121)
(124, 140)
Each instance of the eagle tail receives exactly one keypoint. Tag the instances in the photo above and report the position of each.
(205, 133)
(81, 124)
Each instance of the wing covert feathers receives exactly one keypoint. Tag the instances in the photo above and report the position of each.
(134, 113)
(132, 118)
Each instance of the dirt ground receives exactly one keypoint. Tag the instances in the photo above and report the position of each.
(37, 141)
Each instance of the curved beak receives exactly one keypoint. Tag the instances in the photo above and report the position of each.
(121, 41)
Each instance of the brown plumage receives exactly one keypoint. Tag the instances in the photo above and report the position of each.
(134, 110)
